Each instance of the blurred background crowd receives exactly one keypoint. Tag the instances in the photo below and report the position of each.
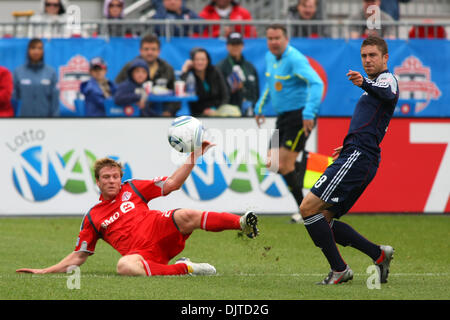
(31, 90)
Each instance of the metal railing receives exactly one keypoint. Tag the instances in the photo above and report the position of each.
(201, 28)
(270, 9)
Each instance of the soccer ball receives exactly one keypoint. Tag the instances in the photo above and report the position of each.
(185, 134)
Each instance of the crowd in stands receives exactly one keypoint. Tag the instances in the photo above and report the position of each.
(52, 19)
(31, 89)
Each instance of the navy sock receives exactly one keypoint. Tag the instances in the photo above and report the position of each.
(320, 232)
(295, 186)
(345, 235)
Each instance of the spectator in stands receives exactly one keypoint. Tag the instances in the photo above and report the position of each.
(210, 85)
(161, 73)
(240, 74)
(97, 89)
(6, 90)
(428, 30)
(132, 91)
(175, 10)
(362, 31)
(306, 10)
(113, 10)
(51, 22)
(226, 10)
(35, 84)
(392, 7)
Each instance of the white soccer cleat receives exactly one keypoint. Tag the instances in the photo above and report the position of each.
(297, 218)
(197, 269)
(249, 222)
(384, 263)
(335, 277)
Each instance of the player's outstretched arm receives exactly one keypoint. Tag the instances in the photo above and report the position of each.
(176, 180)
(76, 258)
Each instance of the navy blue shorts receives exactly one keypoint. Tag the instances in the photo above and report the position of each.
(345, 180)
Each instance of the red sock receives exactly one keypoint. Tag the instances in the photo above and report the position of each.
(219, 221)
(156, 269)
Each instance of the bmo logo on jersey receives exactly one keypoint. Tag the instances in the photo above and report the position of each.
(124, 208)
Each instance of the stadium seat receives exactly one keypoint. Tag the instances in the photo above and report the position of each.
(113, 110)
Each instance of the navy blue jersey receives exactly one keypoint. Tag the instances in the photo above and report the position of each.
(373, 113)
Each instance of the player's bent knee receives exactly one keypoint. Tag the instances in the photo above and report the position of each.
(305, 210)
(187, 220)
(285, 167)
(311, 205)
(129, 266)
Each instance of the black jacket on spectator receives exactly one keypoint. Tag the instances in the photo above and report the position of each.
(212, 92)
(250, 91)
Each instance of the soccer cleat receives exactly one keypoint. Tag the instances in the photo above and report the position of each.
(197, 269)
(335, 277)
(384, 261)
(249, 222)
(297, 218)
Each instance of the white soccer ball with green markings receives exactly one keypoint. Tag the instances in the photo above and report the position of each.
(186, 134)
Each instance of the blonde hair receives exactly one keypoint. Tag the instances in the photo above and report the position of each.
(106, 162)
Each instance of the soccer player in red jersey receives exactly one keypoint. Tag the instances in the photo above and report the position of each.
(146, 239)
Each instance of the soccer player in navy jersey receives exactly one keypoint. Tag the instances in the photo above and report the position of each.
(356, 163)
(146, 239)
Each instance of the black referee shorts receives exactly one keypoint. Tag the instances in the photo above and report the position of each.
(290, 131)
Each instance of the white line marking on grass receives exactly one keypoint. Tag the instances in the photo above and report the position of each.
(426, 274)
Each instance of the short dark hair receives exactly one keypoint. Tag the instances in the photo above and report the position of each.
(150, 38)
(33, 42)
(278, 26)
(106, 162)
(376, 41)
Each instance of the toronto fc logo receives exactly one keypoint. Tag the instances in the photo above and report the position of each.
(70, 77)
(126, 196)
(416, 87)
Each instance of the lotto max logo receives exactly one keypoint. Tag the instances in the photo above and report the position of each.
(40, 174)
(215, 174)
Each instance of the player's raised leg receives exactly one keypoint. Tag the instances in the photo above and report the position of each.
(381, 255)
(187, 220)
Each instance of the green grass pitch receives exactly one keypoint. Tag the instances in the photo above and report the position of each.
(281, 264)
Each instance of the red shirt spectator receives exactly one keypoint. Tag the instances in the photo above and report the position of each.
(226, 9)
(6, 89)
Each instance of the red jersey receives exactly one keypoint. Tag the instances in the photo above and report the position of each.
(237, 13)
(125, 222)
(6, 90)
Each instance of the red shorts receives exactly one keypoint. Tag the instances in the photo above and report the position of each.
(163, 239)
